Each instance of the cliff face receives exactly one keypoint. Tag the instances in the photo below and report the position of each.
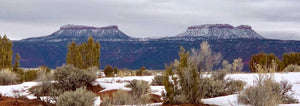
(224, 31)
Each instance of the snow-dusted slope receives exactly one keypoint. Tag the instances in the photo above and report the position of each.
(224, 31)
(79, 32)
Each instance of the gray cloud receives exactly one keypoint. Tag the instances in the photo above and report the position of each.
(143, 18)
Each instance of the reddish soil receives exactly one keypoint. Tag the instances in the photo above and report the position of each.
(95, 89)
(8, 101)
(109, 93)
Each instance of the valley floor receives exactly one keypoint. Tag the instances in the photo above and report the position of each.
(114, 83)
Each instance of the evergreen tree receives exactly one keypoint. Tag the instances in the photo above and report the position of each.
(292, 58)
(141, 71)
(116, 70)
(5, 52)
(84, 55)
(17, 64)
(109, 71)
(265, 60)
(182, 85)
(74, 56)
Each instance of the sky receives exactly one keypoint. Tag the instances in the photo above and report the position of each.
(274, 19)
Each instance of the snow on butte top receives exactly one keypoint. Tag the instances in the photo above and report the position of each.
(244, 27)
(70, 26)
(219, 26)
(211, 26)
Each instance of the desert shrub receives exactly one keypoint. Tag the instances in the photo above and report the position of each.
(267, 92)
(120, 97)
(133, 73)
(138, 95)
(158, 80)
(30, 75)
(212, 88)
(44, 68)
(116, 70)
(146, 73)
(7, 77)
(139, 87)
(44, 75)
(121, 74)
(233, 86)
(141, 71)
(79, 97)
(227, 66)
(217, 85)
(219, 74)
(292, 68)
(46, 89)
(285, 87)
(109, 71)
(69, 77)
(237, 65)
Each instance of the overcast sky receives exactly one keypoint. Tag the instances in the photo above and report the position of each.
(276, 19)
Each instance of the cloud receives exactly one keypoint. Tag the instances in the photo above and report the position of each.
(144, 18)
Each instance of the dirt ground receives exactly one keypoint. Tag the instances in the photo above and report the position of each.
(8, 101)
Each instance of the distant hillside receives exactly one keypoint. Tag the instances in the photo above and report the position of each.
(122, 51)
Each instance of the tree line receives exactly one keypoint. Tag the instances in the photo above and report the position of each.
(267, 60)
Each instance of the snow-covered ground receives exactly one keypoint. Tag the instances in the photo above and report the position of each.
(18, 90)
(119, 83)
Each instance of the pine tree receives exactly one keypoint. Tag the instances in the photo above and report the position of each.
(17, 64)
(182, 85)
(5, 52)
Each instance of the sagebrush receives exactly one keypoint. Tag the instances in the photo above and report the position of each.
(138, 95)
(7, 77)
(79, 97)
